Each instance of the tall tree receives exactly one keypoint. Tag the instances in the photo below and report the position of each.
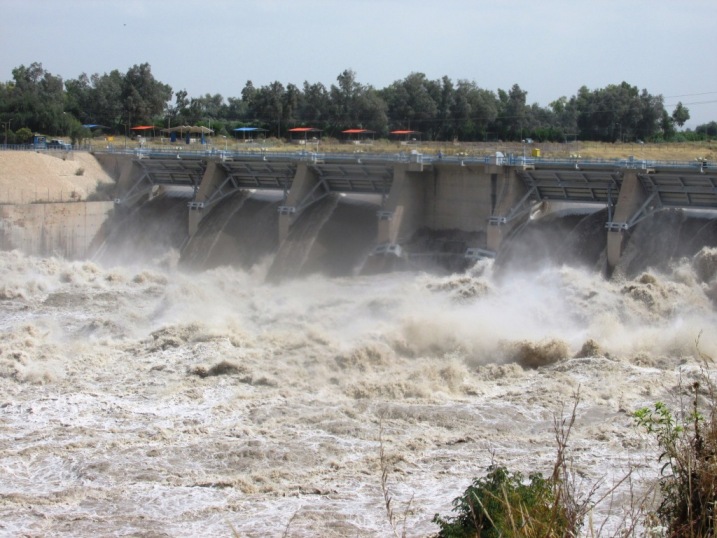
(513, 120)
(105, 104)
(681, 114)
(410, 103)
(315, 104)
(356, 105)
(37, 99)
(269, 106)
(142, 95)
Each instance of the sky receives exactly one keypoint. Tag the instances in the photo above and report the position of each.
(550, 48)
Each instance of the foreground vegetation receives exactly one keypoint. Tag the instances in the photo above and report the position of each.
(504, 504)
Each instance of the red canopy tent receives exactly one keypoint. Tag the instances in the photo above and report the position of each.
(305, 131)
(358, 135)
(143, 129)
(407, 134)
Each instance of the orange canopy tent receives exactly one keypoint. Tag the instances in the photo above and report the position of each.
(357, 135)
(143, 129)
(305, 131)
(406, 134)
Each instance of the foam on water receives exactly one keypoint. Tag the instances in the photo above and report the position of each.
(150, 401)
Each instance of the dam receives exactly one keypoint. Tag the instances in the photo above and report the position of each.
(188, 400)
(379, 212)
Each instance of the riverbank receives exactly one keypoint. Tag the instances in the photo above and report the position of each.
(31, 177)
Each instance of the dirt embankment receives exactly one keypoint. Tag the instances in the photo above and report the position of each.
(28, 176)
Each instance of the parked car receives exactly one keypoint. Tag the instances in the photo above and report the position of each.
(58, 144)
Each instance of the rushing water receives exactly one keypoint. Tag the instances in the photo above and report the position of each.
(143, 399)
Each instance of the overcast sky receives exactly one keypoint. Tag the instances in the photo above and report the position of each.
(549, 47)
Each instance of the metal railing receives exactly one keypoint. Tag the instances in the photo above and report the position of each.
(266, 154)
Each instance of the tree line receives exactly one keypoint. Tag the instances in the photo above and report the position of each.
(35, 100)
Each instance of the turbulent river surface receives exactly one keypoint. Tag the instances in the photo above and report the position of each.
(147, 400)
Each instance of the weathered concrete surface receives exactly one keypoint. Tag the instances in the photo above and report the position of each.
(404, 208)
(510, 189)
(457, 198)
(305, 180)
(632, 196)
(213, 178)
(68, 229)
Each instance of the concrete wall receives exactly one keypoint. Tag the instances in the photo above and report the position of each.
(57, 229)
(214, 177)
(509, 191)
(405, 206)
(457, 197)
(303, 183)
(112, 163)
(632, 196)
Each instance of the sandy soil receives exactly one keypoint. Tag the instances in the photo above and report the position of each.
(27, 176)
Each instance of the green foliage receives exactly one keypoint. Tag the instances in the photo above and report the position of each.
(440, 109)
(35, 99)
(688, 472)
(708, 130)
(23, 135)
(681, 114)
(77, 132)
(503, 504)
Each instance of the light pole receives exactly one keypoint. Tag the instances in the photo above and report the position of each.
(6, 124)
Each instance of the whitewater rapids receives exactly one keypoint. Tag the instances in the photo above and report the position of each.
(146, 401)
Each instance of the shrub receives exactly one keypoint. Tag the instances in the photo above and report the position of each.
(23, 135)
(503, 504)
(688, 474)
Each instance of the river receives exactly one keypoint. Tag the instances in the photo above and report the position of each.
(141, 399)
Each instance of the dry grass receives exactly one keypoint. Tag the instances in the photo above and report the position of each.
(668, 151)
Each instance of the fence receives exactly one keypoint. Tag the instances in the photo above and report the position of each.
(43, 196)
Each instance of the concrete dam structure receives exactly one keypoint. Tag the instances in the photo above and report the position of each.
(383, 212)
(355, 213)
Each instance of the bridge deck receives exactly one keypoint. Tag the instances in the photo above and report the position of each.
(355, 177)
(682, 190)
(174, 171)
(259, 174)
(590, 186)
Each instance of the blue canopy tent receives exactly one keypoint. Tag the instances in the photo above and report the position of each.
(246, 130)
